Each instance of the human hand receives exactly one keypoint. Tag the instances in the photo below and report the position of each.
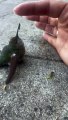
(52, 17)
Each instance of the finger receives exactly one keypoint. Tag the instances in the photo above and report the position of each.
(40, 25)
(38, 18)
(50, 39)
(46, 7)
(53, 21)
(44, 19)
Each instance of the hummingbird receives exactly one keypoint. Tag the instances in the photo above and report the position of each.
(12, 54)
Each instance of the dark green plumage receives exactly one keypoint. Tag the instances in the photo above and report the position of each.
(15, 46)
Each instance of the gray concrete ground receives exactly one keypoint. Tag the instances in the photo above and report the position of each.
(32, 95)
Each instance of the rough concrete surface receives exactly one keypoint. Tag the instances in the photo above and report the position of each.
(32, 95)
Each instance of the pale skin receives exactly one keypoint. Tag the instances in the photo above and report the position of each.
(50, 16)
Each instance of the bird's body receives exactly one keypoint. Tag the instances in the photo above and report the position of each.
(12, 54)
(12, 48)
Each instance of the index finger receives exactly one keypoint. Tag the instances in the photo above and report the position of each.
(46, 7)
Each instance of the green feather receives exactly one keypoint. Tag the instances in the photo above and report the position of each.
(6, 53)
